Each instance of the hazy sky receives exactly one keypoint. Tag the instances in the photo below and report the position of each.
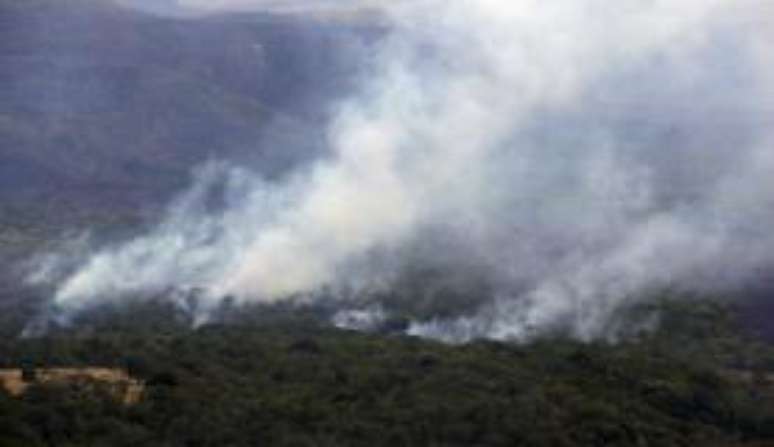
(279, 6)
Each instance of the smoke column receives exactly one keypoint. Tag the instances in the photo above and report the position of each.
(580, 153)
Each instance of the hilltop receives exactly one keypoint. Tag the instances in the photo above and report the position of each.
(108, 107)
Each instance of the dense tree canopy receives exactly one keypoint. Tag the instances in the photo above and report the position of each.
(695, 381)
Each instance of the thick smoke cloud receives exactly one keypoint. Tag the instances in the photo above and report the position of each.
(580, 153)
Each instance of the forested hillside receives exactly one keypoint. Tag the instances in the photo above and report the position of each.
(271, 380)
(106, 110)
(102, 106)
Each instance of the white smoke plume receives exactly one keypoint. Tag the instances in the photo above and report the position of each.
(580, 152)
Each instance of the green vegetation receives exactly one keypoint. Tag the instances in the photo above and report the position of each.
(278, 375)
(291, 381)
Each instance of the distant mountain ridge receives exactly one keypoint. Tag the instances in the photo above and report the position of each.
(106, 105)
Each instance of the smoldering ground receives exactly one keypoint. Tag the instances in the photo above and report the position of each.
(569, 158)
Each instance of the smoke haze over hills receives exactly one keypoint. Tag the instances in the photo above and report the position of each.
(575, 156)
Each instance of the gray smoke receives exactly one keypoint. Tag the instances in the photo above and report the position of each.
(581, 153)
